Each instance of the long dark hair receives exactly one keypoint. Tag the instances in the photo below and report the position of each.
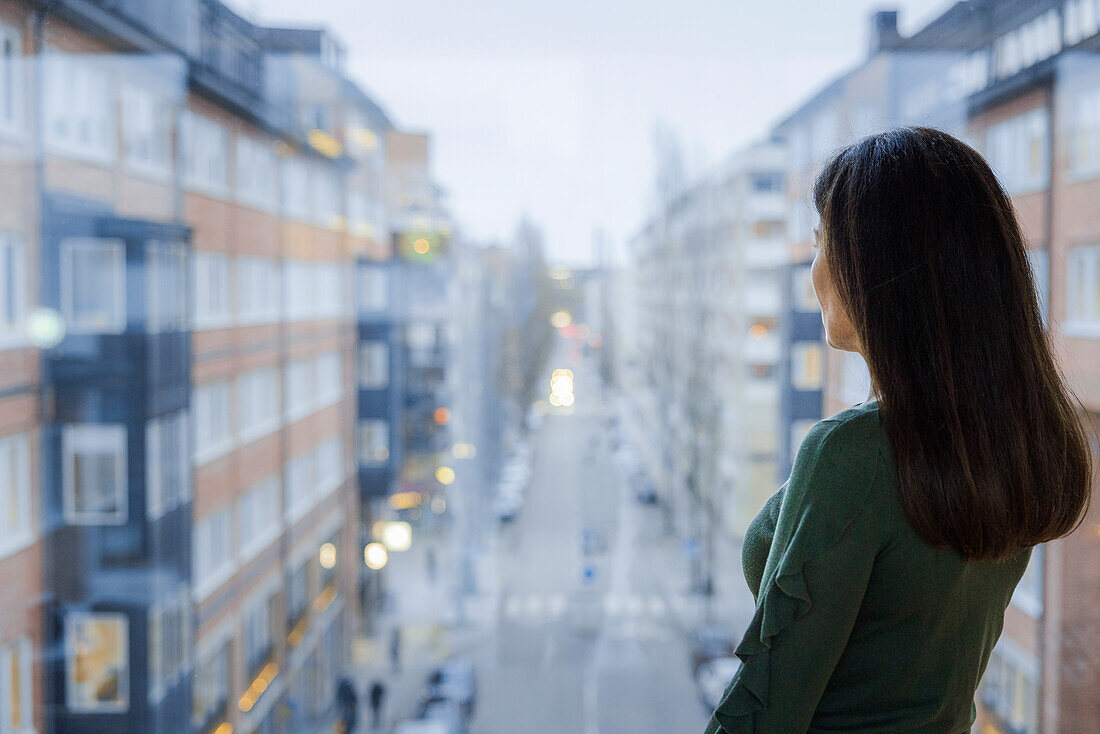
(927, 256)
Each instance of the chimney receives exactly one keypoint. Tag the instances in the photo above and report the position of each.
(884, 31)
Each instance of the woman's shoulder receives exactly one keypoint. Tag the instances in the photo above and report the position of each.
(852, 440)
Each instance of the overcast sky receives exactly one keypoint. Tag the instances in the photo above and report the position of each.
(548, 109)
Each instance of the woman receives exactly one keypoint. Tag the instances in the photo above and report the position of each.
(883, 567)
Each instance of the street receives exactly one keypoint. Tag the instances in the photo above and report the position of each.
(564, 637)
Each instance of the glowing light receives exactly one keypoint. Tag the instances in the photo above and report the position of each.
(441, 415)
(439, 505)
(421, 246)
(45, 328)
(555, 400)
(224, 728)
(758, 331)
(327, 556)
(397, 536)
(464, 450)
(324, 143)
(404, 500)
(561, 319)
(560, 273)
(563, 371)
(263, 680)
(561, 383)
(375, 556)
(566, 400)
(445, 475)
(367, 138)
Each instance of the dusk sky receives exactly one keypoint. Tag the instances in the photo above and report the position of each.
(548, 110)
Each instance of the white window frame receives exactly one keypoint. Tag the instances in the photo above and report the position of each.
(260, 503)
(166, 279)
(72, 619)
(329, 388)
(1082, 281)
(258, 390)
(18, 533)
(257, 174)
(212, 300)
(116, 286)
(97, 438)
(209, 448)
(206, 580)
(1008, 148)
(204, 154)
(79, 93)
(148, 115)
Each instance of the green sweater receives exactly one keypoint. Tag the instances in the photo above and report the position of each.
(860, 626)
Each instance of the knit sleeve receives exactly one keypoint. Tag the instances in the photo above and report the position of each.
(817, 571)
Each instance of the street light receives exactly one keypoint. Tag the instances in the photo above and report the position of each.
(375, 556)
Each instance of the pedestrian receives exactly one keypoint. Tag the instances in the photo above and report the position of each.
(347, 703)
(395, 649)
(377, 694)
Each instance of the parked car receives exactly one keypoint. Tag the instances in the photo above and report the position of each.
(711, 680)
(711, 642)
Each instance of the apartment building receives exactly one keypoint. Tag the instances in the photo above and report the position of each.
(186, 196)
(1019, 82)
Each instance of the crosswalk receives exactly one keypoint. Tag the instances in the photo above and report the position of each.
(535, 606)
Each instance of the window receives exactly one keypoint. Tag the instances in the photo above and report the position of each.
(1028, 595)
(211, 290)
(301, 289)
(258, 290)
(330, 378)
(761, 371)
(807, 366)
(16, 530)
(97, 662)
(167, 464)
(1083, 292)
(1017, 151)
(169, 640)
(299, 388)
(300, 484)
(259, 513)
(374, 441)
(94, 474)
(1081, 20)
(803, 297)
(330, 464)
(210, 693)
(329, 290)
(165, 286)
(257, 184)
(258, 412)
(12, 72)
(373, 288)
(327, 198)
(1084, 135)
(257, 634)
(374, 365)
(204, 147)
(16, 697)
(213, 432)
(146, 132)
(212, 551)
(297, 594)
(79, 104)
(297, 202)
(13, 293)
(1010, 686)
(767, 228)
(1030, 43)
(93, 285)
